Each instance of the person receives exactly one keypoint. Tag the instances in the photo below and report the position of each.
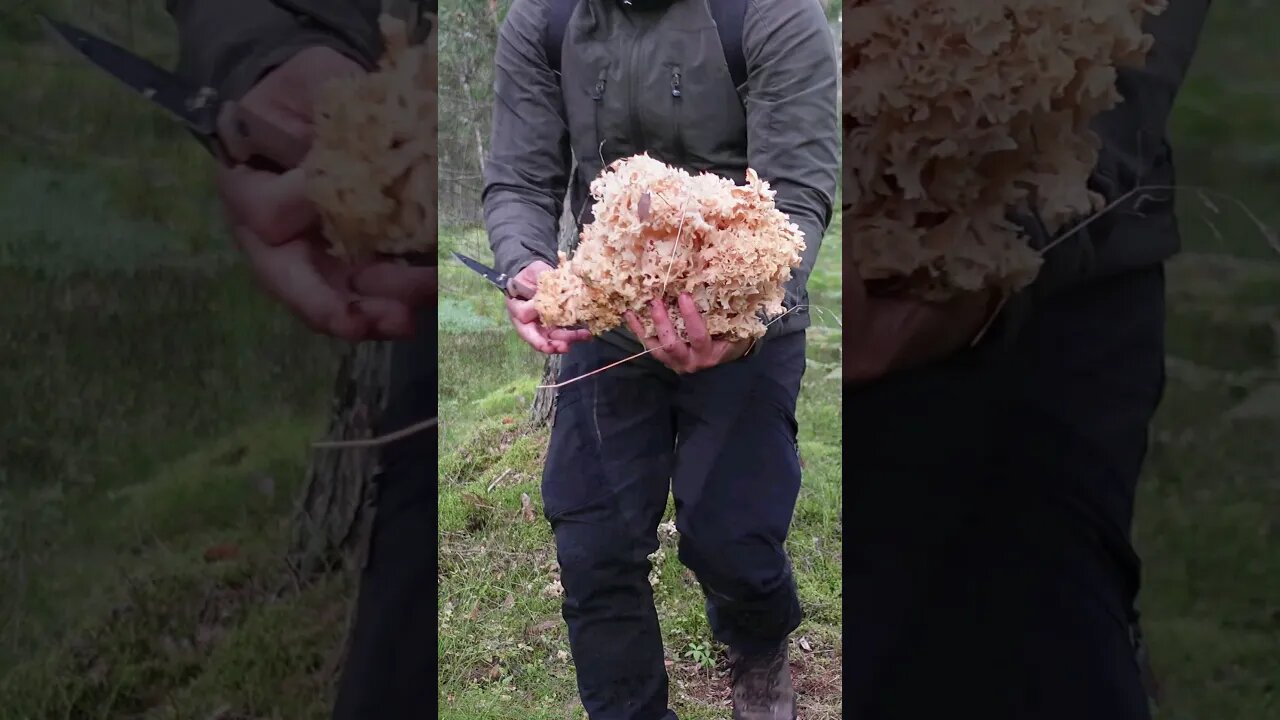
(272, 57)
(990, 487)
(577, 86)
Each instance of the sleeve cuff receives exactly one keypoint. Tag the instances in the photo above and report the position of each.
(246, 74)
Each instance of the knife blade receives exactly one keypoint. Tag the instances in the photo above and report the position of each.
(508, 285)
(228, 130)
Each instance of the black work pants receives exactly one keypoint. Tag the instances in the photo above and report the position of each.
(988, 503)
(723, 442)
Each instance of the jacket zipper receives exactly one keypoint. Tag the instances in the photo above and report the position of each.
(637, 129)
(676, 94)
(597, 95)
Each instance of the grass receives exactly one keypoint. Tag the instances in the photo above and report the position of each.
(1205, 526)
(503, 651)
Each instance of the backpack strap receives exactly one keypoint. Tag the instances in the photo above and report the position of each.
(558, 15)
(729, 15)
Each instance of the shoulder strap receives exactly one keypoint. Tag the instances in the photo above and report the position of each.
(558, 15)
(729, 15)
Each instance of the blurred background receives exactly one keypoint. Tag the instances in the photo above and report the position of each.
(157, 412)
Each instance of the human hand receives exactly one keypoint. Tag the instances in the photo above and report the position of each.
(699, 353)
(278, 228)
(550, 341)
(892, 334)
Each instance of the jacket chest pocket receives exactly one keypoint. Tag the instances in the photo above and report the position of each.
(695, 104)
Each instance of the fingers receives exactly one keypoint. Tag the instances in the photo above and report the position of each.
(525, 283)
(529, 275)
(274, 207)
(531, 333)
(655, 348)
(288, 274)
(637, 329)
(569, 335)
(520, 289)
(407, 284)
(310, 69)
(314, 286)
(549, 341)
(694, 327)
(667, 337)
(522, 311)
(389, 318)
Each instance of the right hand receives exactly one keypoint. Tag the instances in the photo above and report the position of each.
(278, 229)
(891, 334)
(549, 341)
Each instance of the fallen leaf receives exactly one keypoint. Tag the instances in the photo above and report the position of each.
(804, 645)
(508, 420)
(232, 456)
(476, 501)
(219, 553)
(526, 507)
(509, 603)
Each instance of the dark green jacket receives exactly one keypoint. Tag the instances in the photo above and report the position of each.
(230, 44)
(655, 79)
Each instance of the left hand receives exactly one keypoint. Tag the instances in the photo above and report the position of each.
(892, 334)
(699, 353)
(278, 228)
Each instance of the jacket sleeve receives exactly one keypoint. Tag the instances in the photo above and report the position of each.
(1134, 153)
(793, 138)
(527, 172)
(230, 44)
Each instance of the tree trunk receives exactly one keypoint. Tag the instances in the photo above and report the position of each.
(333, 517)
(544, 403)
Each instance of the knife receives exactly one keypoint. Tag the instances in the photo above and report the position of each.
(509, 286)
(232, 133)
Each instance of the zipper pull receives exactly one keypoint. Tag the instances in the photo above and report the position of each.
(675, 82)
(597, 93)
